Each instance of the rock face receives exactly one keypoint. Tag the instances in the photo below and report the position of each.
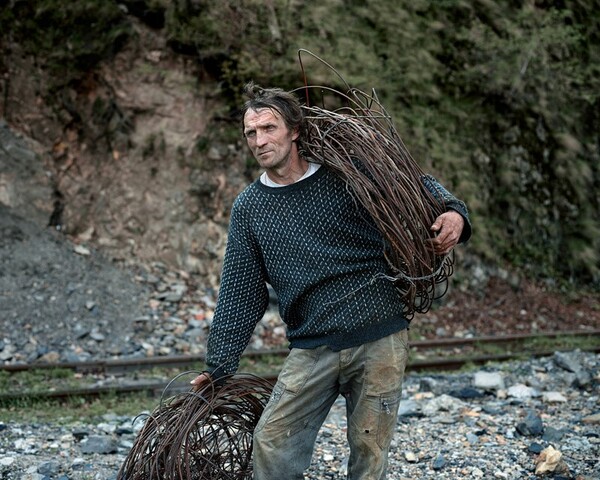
(438, 436)
(124, 162)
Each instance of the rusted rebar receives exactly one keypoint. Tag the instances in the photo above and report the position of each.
(359, 142)
(200, 435)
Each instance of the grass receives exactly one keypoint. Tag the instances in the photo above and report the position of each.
(521, 350)
(75, 409)
(265, 365)
(80, 409)
(564, 342)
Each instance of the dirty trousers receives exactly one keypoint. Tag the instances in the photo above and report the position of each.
(368, 376)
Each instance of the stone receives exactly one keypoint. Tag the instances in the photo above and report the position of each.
(50, 469)
(99, 444)
(466, 393)
(552, 435)
(583, 378)
(488, 380)
(535, 448)
(566, 361)
(477, 473)
(531, 426)
(411, 457)
(592, 419)
(480, 436)
(409, 408)
(550, 461)
(81, 250)
(428, 384)
(492, 409)
(442, 403)
(522, 392)
(97, 336)
(7, 461)
(553, 397)
(438, 463)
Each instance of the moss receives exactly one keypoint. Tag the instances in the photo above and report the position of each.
(68, 38)
(518, 84)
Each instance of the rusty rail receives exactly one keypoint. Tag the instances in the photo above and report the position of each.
(157, 387)
(124, 365)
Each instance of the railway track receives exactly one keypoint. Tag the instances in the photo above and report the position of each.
(121, 367)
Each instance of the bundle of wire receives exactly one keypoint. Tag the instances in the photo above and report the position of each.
(360, 143)
(200, 435)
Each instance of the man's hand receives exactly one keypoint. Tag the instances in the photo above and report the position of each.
(200, 381)
(448, 226)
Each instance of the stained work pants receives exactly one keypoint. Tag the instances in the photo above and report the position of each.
(368, 376)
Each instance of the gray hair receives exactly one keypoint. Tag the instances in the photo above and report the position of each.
(284, 103)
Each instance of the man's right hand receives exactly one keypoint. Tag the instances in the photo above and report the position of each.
(201, 381)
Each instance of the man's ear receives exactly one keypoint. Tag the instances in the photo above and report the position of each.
(296, 134)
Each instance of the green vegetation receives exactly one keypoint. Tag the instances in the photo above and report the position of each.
(521, 348)
(75, 409)
(66, 38)
(37, 380)
(498, 98)
(83, 409)
(264, 366)
(26, 390)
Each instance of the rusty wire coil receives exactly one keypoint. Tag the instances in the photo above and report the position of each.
(200, 435)
(359, 142)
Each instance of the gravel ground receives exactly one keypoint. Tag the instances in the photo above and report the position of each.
(492, 423)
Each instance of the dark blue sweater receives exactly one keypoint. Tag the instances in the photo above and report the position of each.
(321, 253)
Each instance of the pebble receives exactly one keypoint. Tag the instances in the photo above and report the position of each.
(531, 426)
(438, 435)
(488, 380)
(522, 392)
(554, 397)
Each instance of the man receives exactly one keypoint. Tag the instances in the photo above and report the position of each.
(299, 229)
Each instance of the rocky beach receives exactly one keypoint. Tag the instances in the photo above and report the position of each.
(520, 420)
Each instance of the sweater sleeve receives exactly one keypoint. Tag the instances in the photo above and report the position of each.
(242, 301)
(450, 202)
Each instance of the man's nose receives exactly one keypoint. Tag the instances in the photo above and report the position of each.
(261, 139)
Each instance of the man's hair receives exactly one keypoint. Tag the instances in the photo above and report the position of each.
(284, 103)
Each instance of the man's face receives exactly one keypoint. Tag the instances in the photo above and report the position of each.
(268, 137)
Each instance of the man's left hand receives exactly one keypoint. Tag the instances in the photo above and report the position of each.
(448, 226)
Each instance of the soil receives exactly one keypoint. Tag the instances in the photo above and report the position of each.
(499, 308)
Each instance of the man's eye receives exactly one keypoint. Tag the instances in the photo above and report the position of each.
(250, 134)
(270, 128)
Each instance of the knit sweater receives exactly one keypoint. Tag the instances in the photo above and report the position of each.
(323, 256)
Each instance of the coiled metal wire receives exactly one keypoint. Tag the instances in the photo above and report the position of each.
(359, 142)
(200, 435)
